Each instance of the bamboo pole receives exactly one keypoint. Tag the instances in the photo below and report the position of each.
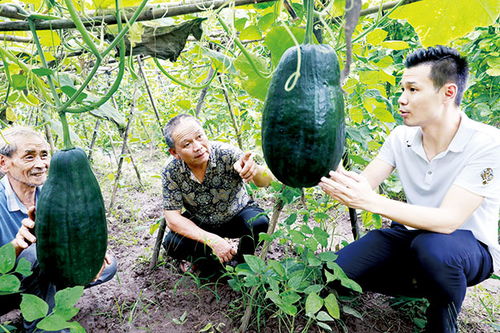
(147, 15)
(170, 11)
(231, 114)
(146, 84)
(278, 207)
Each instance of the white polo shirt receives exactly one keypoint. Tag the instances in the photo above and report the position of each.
(472, 161)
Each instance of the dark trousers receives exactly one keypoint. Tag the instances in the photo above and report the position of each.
(417, 263)
(246, 225)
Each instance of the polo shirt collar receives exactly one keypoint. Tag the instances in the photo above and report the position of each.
(13, 202)
(464, 133)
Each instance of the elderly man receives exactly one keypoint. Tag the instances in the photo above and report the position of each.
(207, 179)
(445, 237)
(25, 159)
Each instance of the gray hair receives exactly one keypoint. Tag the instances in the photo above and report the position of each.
(172, 124)
(7, 143)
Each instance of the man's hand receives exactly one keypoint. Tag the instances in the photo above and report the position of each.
(246, 167)
(24, 236)
(350, 189)
(222, 249)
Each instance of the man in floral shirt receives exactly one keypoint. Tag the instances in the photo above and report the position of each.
(207, 180)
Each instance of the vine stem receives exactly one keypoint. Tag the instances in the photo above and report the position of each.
(309, 5)
(64, 122)
(179, 82)
(99, 56)
(243, 50)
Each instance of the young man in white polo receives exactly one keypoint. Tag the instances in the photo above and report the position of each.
(445, 237)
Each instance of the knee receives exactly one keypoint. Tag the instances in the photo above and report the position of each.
(432, 250)
(261, 224)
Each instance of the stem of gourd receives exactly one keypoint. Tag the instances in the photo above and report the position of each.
(57, 101)
(309, 5)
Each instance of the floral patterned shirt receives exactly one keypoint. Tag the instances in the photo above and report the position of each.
(218, 198)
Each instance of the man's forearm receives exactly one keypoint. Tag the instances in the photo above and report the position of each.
(187, 228)
(425, 218)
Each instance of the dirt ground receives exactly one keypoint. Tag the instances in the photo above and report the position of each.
(162, 300)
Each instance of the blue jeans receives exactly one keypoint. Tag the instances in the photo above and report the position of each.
(417, 263)
(38, 284)
(246, 225)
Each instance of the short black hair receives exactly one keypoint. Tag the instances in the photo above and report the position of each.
(447, 65)
(172, 124)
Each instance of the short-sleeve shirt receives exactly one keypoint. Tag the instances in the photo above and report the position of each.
(214, 201)
(471, 161)
(12, 212)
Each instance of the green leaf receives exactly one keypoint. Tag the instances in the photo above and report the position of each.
(18, 81)
(75, 327)
(185, 104)
(254, 84)
(42, 71)
(33, 307)
(290, 219)
(376, 37)
(9, 284)
(314, 288)
(383, 114)
(221, 62)
(329, 276)
(324, 326)
(291, 194)
(256, 264)
(239, 24)
(290, 297)
(395, 45)
(323, 316)
(53, 322)
(313, 304)
(106, 111)
(327, 256)
(312, 260)
(277, 267)
(278, 41)
(439, 22)
(332, 306)
(321, 236)
(65, 300)
(250, 33)
(353, 312)
(7, 258)
(344, 280)
(23, 267)
(70, 91)
(266, 21)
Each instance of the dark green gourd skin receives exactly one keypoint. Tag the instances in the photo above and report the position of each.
(70, 226)
(303, 131)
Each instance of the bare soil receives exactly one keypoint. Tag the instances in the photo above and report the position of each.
(163, 300)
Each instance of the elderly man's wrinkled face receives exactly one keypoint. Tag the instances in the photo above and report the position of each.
(28, 166)
(191, 143)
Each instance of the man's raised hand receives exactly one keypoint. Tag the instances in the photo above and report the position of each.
(246, 167)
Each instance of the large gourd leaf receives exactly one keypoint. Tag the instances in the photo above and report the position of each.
(439, 22)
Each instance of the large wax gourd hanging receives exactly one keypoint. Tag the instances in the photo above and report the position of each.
(303, 129)
(70, 226)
